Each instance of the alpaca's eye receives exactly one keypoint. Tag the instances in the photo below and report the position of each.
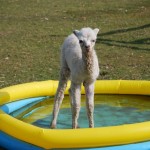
(93, 41)
(80, 41)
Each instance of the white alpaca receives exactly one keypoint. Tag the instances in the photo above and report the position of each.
(78, 61)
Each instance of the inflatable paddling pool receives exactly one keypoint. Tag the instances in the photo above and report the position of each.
(16, 134)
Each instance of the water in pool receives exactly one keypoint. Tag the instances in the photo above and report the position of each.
(110, 110)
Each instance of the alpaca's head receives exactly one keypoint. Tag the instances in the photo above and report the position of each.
(87, 38)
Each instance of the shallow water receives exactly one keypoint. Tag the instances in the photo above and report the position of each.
(110, 110)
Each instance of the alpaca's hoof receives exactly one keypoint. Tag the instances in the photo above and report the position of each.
(91, 126)
(76, 127)
(53, 126)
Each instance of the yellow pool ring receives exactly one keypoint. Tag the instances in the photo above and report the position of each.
(74, 138)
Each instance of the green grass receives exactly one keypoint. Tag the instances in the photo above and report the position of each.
(32, 32)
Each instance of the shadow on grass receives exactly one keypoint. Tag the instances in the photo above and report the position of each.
(126, 44)
(109, 42)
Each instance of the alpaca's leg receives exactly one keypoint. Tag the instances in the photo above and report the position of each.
(89, 91)
(75, 95)
(64, 75)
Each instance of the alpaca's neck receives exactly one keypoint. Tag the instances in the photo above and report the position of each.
(88, 61)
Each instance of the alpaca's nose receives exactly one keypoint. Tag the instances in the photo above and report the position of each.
(87, 46)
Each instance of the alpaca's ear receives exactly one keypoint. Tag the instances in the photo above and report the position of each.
(96, 30)
(76, 32)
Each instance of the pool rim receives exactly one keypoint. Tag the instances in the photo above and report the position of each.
(74, 138)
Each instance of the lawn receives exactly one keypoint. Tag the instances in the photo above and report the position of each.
(32, 32)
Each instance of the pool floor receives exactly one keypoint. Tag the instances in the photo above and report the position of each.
(110, 110)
